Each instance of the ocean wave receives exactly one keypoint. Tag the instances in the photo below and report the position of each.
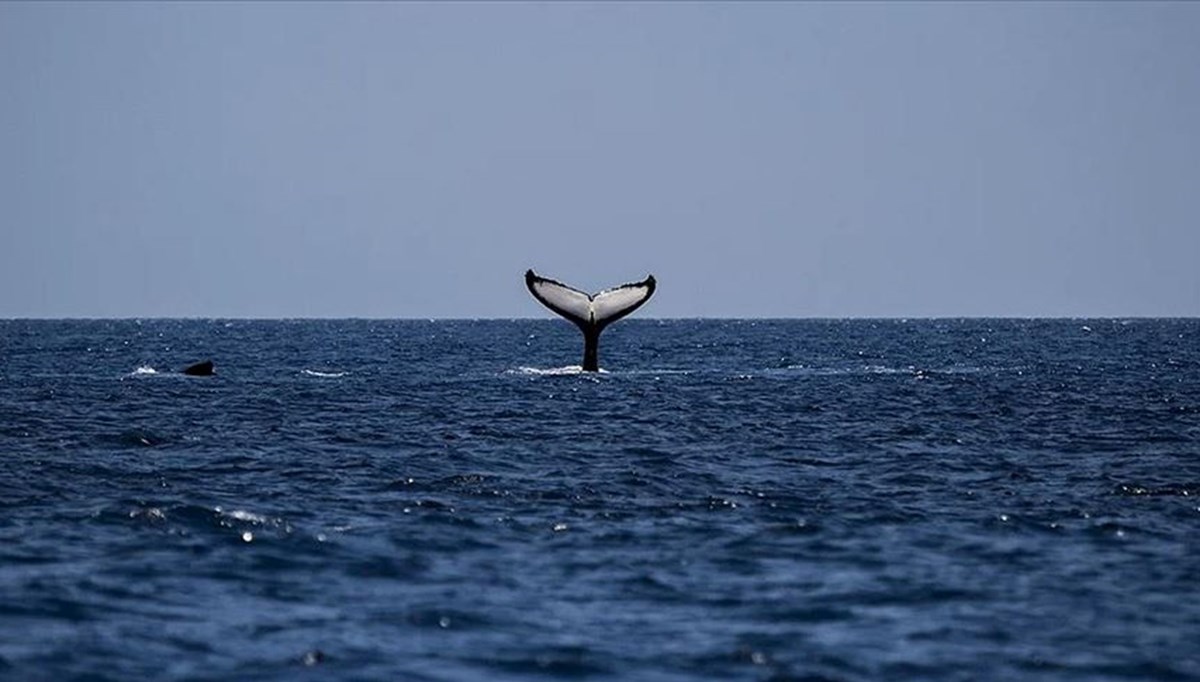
(908, 370)
(325, 375)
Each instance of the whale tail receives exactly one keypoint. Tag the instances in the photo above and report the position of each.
(590, 312)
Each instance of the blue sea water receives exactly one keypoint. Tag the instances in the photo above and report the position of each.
(731, 500)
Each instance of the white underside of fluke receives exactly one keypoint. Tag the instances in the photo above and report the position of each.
(590, 309)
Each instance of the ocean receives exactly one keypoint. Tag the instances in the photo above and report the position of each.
(729, 500)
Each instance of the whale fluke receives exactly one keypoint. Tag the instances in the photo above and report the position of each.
(590, 312)
(200, 369)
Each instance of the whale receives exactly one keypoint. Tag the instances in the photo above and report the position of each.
(592, 313)
(200, 369)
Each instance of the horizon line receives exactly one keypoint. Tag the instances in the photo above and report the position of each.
(898, 318)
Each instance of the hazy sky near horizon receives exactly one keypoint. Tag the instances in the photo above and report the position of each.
(773, 159)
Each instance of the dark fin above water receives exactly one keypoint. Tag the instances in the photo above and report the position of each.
(200, 369)
(590, 312)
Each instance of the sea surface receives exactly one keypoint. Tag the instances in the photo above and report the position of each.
(730, 500)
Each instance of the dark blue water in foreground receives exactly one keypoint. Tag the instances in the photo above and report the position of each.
(816, 500)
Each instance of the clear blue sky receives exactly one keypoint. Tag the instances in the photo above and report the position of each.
(785, 160)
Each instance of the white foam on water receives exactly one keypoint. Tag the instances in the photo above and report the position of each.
(242, 515)
(553, 371)
(328, 375)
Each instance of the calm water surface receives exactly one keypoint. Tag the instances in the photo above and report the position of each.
(732, 500)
